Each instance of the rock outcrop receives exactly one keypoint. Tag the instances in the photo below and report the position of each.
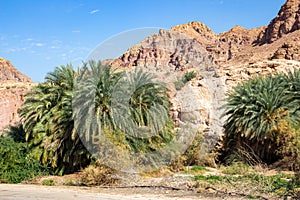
(13, 86)
(9, 73)
(287, 21)
(221, 61)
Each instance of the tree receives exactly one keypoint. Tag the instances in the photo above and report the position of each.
(61, 115)
(48, 123)
(255, 109)
(121, 105)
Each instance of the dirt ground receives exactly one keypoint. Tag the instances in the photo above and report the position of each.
(130, 187)
(37, 192)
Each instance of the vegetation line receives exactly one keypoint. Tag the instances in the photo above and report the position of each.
(234, 193)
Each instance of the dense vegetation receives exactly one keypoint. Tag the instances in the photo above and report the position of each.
(263, 120)
(48, 123)
(262, 125)
(48, 113)
(16, 162)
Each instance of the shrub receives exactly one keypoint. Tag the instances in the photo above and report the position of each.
(16, 162)
(48, 182)
(188, 76)
(98, 174)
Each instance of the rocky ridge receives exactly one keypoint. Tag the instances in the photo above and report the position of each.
(9, 73)
(287, 21)
(13, 86)
(220, 60)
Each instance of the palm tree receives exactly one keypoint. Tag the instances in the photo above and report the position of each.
(292, 81)
(92, 99)
(255, 109)
(143, 106)
(63, 115)
(122, 103)
(48, 123)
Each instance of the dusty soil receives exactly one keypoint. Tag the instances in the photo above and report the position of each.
(34, 192)
(161, 186)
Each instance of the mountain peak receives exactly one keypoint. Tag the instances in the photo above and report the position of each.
(195, 28)
(287, 21)
(9, 73)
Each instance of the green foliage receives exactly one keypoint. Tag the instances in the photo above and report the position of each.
(198, 168)
(280, 184)
(192, 154)
(212, 179)
(48, 123)
(48, 182)
(96, 92)
(179, 84)
(16, 162)
(125, 103)
(236, 168)
(188, 76)
(70, 182)
(256, 109)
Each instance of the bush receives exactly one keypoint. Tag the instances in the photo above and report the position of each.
(48, 182)
(16, 162)
(98, 174)
(188, 76)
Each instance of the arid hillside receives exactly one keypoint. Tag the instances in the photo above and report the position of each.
(220, 60)
(13, 86)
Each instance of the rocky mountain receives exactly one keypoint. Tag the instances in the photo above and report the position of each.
(9, 73)
(13, 86)
(220, 60)
(287, 21)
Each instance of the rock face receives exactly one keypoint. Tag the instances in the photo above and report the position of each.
(9, 73)
(169, 55)
(221, 61)
(13, 86)
(287, 21)
(289, 51)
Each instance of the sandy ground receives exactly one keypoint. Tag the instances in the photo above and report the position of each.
(37, 192)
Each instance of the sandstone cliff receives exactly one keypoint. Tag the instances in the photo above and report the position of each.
(220, 60)
(13, 86)
(287, 21)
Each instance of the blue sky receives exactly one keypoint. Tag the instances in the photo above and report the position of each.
(37, 35)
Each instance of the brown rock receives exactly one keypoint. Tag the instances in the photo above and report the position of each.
(13, 86)
(287, 21)
(289, 51)
(9, 73)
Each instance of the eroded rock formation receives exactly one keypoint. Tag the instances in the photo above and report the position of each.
(13, 86)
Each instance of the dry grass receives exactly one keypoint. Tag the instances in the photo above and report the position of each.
(98, 174)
